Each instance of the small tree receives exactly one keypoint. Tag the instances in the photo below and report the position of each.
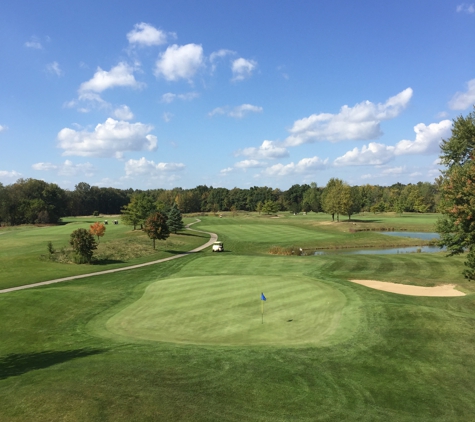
(156, 227)
(97, 229)
(175, 220)
(270, 207)
(83, 244)
(259, 207)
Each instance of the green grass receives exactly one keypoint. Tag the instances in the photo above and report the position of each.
(21, 250)
(183, 340)
(224, 310)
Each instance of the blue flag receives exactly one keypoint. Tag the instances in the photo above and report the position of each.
(263, 297)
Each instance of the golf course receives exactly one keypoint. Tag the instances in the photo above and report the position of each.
(190, 339)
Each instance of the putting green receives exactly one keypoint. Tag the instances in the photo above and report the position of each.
(226, 310)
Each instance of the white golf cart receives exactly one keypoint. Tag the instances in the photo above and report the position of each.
(218, 247)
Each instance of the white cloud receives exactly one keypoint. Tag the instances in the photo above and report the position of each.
(123, 113)
(220, 54)
(147, 35)
(304, 166)
(227, 170)
(237, 112)
(248, 164)
(169, 97)
(463, 100)
(416, 174)
(179, 62)
(3, 128)
(466, 8)
(109, 139)
(352, 123)
(120, 75)
(373, 154)
(433, 173)
(242, 110)
(427, 141)
(393, 170)
(54, 69)
(242, 68)
(149, 168)
(167, 117)
(68, 168)
(9, 175)
(34, 43)
(268, 150)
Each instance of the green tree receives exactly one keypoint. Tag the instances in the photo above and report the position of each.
(331, 198)
(83, 244)
(270, 207)
(175, 220)
(141, 206)
(259, 207)
(156, 227)
(311, 199)
(457, 189)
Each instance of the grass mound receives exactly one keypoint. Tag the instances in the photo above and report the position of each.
(226, 310)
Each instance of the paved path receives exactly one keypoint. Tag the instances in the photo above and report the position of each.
(213, 238)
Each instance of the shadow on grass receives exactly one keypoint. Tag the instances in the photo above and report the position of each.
(355, 220)
(174, 252)
(192, 234)
(107, 261)
(16, 364)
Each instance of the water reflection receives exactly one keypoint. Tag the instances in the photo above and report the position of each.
(391, 251)
(414, 235)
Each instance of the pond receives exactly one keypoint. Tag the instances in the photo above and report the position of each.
(390, 251)
(413, 235)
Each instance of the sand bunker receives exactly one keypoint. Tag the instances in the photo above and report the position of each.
(447, 290)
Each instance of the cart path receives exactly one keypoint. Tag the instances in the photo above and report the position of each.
(213, 238)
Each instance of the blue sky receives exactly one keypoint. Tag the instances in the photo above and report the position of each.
(148, 94)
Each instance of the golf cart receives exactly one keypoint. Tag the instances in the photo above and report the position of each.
(218, 247)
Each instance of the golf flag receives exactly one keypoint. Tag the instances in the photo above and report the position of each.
(263, 299)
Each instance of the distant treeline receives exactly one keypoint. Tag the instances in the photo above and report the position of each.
(31, 201)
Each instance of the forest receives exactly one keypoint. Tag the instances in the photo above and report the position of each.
(32, 201)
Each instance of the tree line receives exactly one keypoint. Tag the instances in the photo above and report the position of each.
(32, 201)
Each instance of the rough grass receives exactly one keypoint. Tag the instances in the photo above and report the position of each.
(404, 358)
(24, 257)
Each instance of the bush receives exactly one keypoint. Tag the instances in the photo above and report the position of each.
(95, 213)
(83, 244)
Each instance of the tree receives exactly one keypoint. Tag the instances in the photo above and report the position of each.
(259, 207)
(311, 199)
(156, 227)
(331, 198)
(97, 229)
(175, 220)
(83, 244)
(270, 207)
(141, 206)
(457, 189)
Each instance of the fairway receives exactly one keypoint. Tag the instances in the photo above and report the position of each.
(183, 340)
(226, 310)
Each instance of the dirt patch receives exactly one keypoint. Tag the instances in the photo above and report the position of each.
(447, 290)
